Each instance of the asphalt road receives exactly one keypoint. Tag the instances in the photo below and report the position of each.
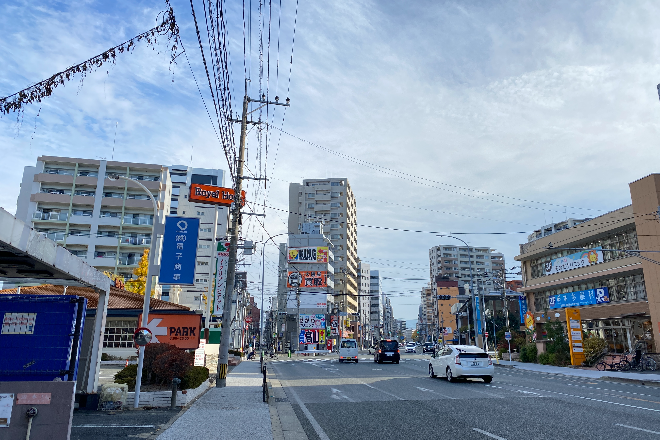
(116, 425)
(388, 401)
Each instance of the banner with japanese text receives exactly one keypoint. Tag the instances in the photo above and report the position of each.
(177, 264)
(221, 262)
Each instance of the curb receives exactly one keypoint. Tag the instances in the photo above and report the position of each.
(645, 382)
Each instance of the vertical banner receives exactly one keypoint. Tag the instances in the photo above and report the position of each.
(221, 262)
(177, 264)
(200, 358)
(574, 326)
(477, 312)
(522, 302)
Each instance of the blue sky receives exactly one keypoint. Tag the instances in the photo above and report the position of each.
(549, 110)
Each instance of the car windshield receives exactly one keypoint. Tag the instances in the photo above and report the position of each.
(429, 344)
(390, 345)
(348, 344)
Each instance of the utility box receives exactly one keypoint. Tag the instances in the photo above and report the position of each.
(214, 335)
(41, 337)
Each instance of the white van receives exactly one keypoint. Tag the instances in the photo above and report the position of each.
(348, 350)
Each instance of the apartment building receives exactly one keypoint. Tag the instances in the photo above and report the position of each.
(375, 309)
(81, 205)
(364, 299)
(213, 223)
(331, 201)
(457, 262)
(593, 267)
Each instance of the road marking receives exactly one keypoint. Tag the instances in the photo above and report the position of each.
(113, 426)
(319, 431)
(340, 395)
(377, 369)
(488, 434)
(385, 392)
(638, 429)
(426, 390)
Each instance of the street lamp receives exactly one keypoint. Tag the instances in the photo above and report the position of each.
(147, 287)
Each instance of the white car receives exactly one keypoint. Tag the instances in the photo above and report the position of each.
(411, 347)
(454, 361)
(348, 350)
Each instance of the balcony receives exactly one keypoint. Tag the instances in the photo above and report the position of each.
(55, 236)
(129, 261)
(136, 241)
(139, 221)
(53, 215)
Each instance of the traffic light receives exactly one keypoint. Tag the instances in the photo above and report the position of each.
(444, 297)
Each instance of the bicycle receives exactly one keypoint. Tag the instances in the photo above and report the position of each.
(622, 365)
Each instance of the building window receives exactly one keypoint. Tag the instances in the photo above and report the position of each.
(310, 205)
(119, 333)
(335, 184)
(200, 213)
(202, 263)
(311, 195)
(334, 205)
(204, 246)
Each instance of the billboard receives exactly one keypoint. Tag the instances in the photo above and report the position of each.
(221, 262)
(181, 330)
(312, 336)
(312, 321)
(41, 338)
(177, 264)
(574, 261)
(587, 297)
(308, 300)
(213, 195)
(309, 278)
(311, 254)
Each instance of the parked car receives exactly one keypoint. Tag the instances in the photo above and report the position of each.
(461, 361)
(388, 351)
(428, 347)
(411, 347)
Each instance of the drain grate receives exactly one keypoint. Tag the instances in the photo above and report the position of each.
(281, 399)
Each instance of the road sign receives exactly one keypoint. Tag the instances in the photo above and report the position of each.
(142, 336)
(507, 336)
(486, 334)
(213, 195)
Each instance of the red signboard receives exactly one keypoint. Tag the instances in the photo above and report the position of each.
(311, 278)
(181, 330)
(213, 195)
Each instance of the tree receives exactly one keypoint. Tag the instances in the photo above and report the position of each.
(138, 285)
(118, 281)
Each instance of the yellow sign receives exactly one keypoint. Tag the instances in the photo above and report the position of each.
(574, 326)
(529, 321)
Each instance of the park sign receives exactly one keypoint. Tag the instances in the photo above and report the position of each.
(213, 195)
(177, 264)
(179, 329)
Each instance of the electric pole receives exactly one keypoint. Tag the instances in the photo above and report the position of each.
(223, 356)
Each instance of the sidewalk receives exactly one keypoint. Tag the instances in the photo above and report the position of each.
(233, 412)
(580, 372)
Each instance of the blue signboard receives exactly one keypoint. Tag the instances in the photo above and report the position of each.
(477, 312)
(41, 337)
(177, 264)
(588, 297)
(522, 302)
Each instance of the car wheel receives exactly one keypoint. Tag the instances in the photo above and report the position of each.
(356, 361)
(396, 362)
(450, 376)
(431, 373)
(341, 360)
(488, 379)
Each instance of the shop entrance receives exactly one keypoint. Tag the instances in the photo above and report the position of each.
(622, 334)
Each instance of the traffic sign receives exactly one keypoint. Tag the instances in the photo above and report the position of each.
(507, 336)
(486, 333)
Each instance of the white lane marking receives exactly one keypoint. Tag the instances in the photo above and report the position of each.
(488, 434)
(637, 429)
(340, 395)
(113, 426)
(585, 398)
(377, 369)
(427, 390)
(384, 392)
(319, 431)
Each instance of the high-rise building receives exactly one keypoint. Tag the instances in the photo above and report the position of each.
(331, 201)
(213, 222)
(375, 312)
(455, 263)
(106, 221)
(364, 300)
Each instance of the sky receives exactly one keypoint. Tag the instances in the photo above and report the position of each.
(454, 117)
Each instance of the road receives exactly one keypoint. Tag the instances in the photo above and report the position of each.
(390, 401)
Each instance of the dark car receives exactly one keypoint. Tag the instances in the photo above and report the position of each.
(429, 347)
(388, 351)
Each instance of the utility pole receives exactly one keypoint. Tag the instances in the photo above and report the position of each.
(223, 356)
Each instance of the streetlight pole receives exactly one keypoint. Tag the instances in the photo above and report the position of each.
(147, 288)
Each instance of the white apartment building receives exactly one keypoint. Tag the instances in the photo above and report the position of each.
(375, 313)
(364, 299)
(331, 201)
(454, 262)
(213, 222)
(108, 222)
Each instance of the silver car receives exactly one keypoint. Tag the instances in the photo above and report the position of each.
(454, 361)
(411, 347)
